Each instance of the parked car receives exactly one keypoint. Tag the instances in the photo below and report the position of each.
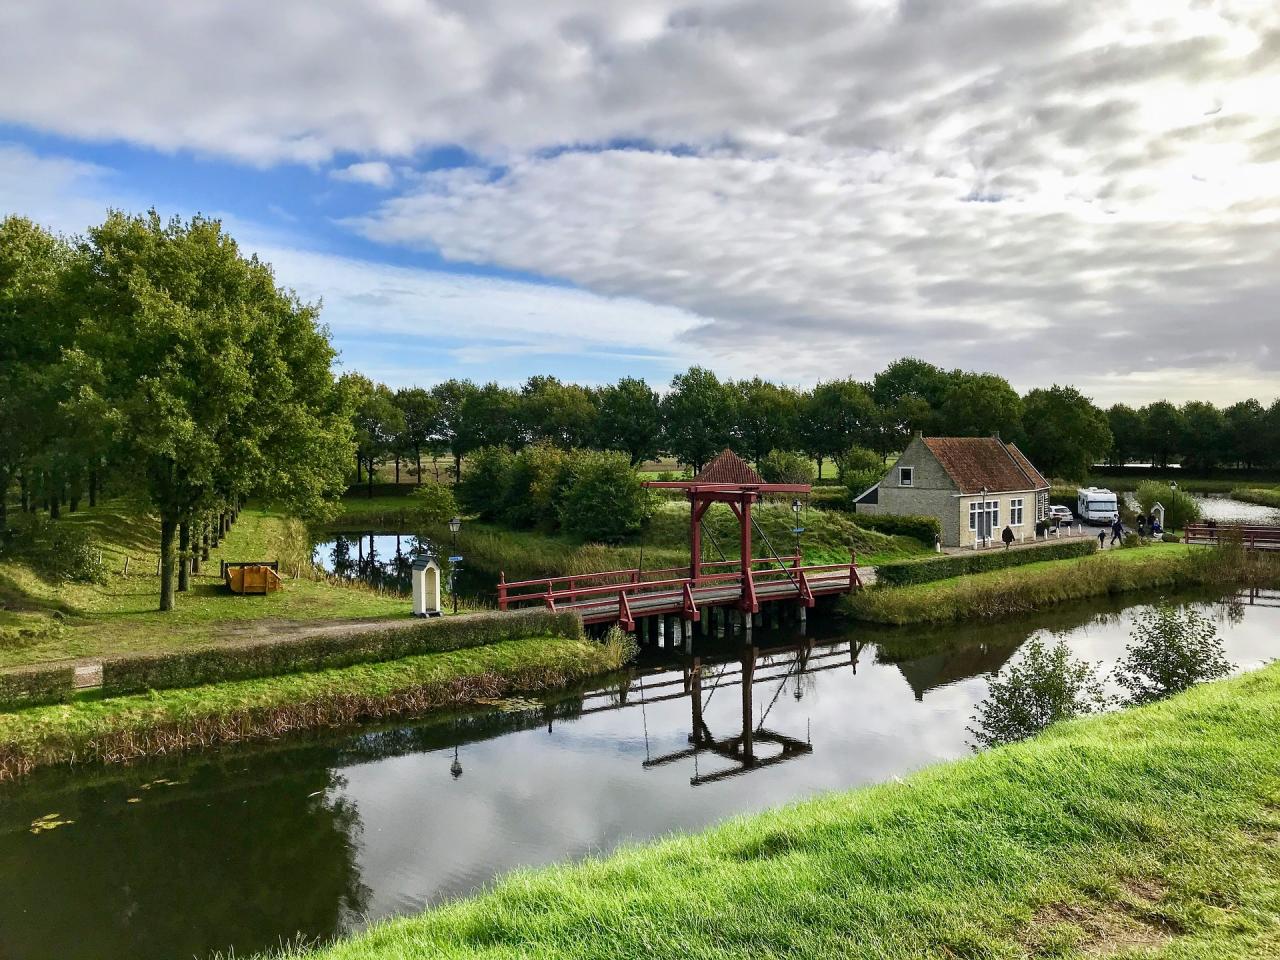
(1060, 514)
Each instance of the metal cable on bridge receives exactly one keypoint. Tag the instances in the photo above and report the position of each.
(644, 718)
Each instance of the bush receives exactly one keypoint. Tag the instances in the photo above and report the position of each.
(36, 686)
(536, 486)
(191, 668)
(434, 503)
(786, 466)
(484, 482)
(859, 468)
(62, 551)
(605, 501)
(830, 497)
(1043, 687)
(1172, 650)
(906, 572)
(1180, 508)
(921, 528)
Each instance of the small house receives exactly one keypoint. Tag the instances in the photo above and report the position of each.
(975, 486)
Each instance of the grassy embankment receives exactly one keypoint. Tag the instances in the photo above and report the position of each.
(1154, 830)
(1188, 481)
(42, 620)
(1262, 497)
(1035, 586)
(93, 728)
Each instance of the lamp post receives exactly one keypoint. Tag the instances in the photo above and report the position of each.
(797, 529)
(455, 524)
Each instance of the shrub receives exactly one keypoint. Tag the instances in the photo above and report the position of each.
(605, 500)
(786, 466)
(434, 503)
(484, 482)
(830, 497)
(1180, 508)
(906, 572)
(62, 551)
(921, 528)
(1043, 687)
(35, 686)
(859, 468)
(535, 487)
(191, 668)
(1172, 650)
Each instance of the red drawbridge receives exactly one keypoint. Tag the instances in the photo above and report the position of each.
(623, 596)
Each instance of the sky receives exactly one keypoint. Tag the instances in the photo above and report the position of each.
(1059, 191)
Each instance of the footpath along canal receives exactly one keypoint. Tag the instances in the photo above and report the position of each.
(310, 838)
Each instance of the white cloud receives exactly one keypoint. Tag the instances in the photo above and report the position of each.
(374, 173)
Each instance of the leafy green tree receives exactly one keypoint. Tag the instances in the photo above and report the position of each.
(834, 416)
(1043, 687)
(434, 504)
(420, 413)
(1248, 443)
(979, 405)
(604, 501)
(910, 378)
(1128, 434)
(451, 397)
(630, 419)
(786, 466)
(536, 481)
(1172, 650)
(859, 468)
(1165, 431)
(379, 425)
(1180, 507)
(766, 417)
(218, 383)
(1205, 441)
(1063, 433)
(563, 414)
(487, 418)
(483, 487)
(697, 416)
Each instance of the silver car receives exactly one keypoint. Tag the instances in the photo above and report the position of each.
(1060, 514)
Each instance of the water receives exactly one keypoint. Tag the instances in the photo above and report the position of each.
(1221, 508)
(243, 847)
(385, 560)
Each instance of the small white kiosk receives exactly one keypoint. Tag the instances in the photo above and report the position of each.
(426, 587)
(1157, 511)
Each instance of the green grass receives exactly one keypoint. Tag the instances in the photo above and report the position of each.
(96, 728)
(1262, 497)
(1155, 828)
(1188, 482)
(42, 621)
(1035, 586)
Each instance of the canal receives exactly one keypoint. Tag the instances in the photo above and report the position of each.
(310, 838)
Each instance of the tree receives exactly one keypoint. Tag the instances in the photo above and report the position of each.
(910, 378)
(451, 397)
(1180, 507)
(697, 416)
(484, 487)
(979, 405)
(785, 466)
(1128, 434)
(1205, 441)
(1248, 443)
(487, 418)
(859, 468)
(218, 382)
(1164, 431)
(1173, 649)
(557, 413)
(766, 416)
(536, 480)
(1063, 432)
(604, 500)
(630, 419)
(420, 412)
(379, 425)
(835, 415)
(434, 504)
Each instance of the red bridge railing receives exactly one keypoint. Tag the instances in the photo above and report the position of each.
(1251, 536)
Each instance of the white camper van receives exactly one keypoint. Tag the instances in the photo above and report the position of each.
(1096, 505)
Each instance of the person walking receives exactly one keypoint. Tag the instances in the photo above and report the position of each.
(1102, 539)
(1117, 532)
(1007, 537)
(1142, 525)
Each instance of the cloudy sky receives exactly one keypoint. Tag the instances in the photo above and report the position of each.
(1082, 191)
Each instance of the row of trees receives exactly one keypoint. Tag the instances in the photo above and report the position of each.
(156, 354)
(1198, 435)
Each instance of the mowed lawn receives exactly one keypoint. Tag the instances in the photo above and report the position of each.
(1152, 832)
(42, 620)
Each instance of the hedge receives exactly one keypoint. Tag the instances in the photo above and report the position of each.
(36, 686)
(268, 658)
(922, 528)
(905, 572)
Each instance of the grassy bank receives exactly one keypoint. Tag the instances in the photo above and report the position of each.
(1188, 481)
(1262, 497)
(1036, 586)
(121, 728)
(43, 620)
(1155, 829)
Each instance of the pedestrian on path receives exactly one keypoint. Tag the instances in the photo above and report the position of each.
(1007, 537)
(1102, 539)
(1117, 532)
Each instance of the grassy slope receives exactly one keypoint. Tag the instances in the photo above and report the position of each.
(115, 728)
(44, 621)
(1030, 587)
(1157, 827)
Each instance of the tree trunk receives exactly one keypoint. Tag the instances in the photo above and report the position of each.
(204, 538)
(369, 476)
(417, 455)
(820, 459)
(359, 464)
(457, 467)
(168, 527)
(184, 556)
(25, 485)
(397, 471)
(55, 505)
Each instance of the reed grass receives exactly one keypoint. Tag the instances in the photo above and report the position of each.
(1262, 497)
(1155, 830)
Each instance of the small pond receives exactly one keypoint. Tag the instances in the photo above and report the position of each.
(242, 848)
(384, 560)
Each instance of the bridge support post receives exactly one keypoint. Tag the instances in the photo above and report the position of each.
(660, 628)
(688, 636)
(718, 613)
(747, 623)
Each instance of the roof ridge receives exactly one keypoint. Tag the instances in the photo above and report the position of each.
(1005, 445)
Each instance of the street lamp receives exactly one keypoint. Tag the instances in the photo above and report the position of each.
(797, 529)
(455, 524)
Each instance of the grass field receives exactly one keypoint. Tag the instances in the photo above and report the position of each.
(42, 621)
(93, 728)
(1152, 832)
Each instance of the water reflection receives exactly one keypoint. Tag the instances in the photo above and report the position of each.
(248, 846)
(382, 560)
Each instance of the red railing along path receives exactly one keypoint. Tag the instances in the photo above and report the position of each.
(1252, 537)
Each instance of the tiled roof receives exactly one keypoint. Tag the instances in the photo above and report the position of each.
(975, 463)
(728, 467)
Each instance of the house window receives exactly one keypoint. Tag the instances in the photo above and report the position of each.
(906, 476)
(1015, 512)
(984, 517)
